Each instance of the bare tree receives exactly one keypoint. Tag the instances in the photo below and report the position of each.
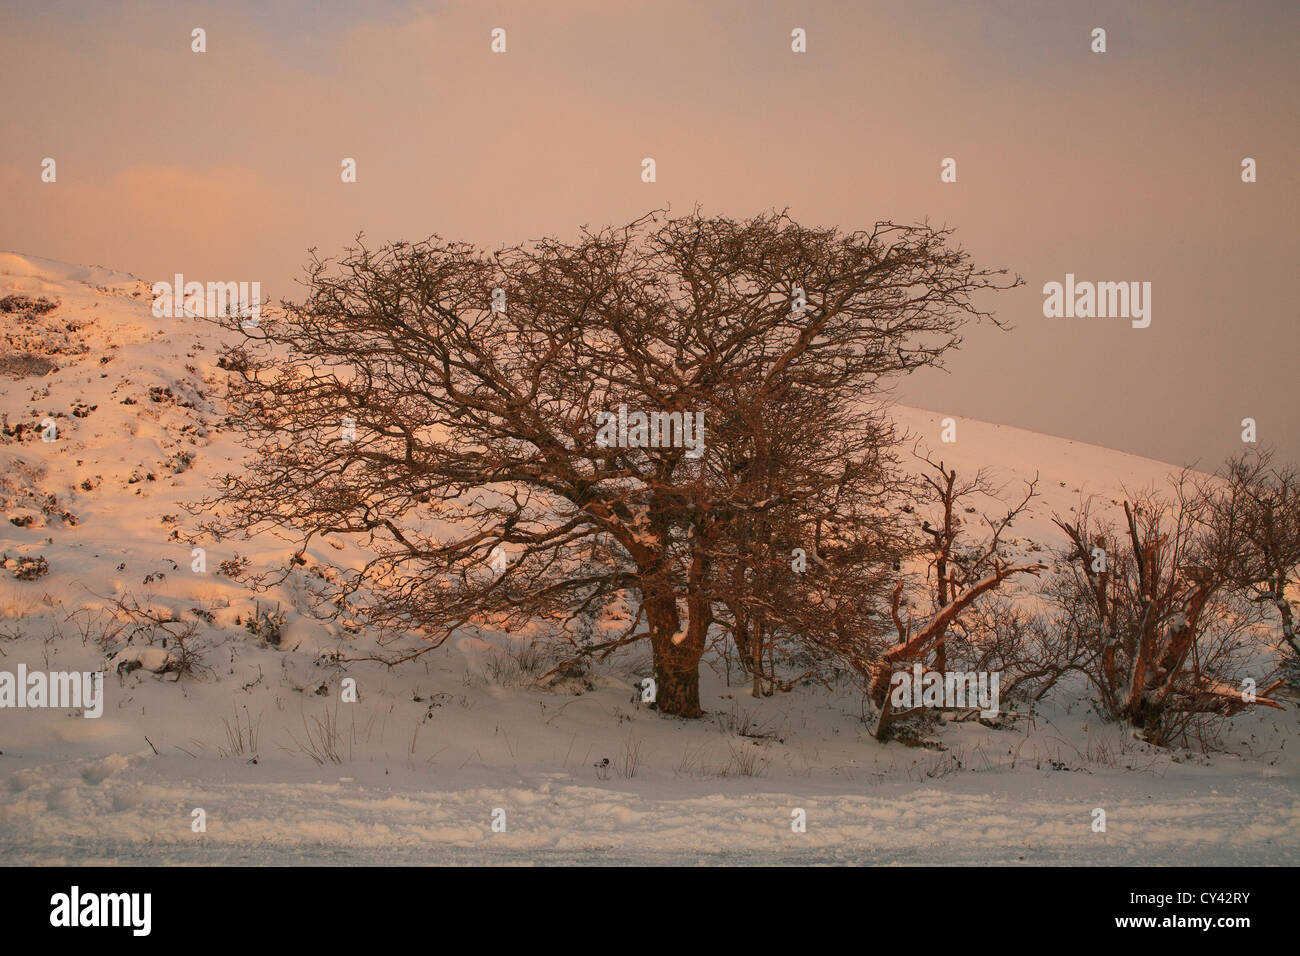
(809, 558)
(445, 406)
(1154, 610)
(953, 567)
(961, 570)
(965, 544)
(961, 573)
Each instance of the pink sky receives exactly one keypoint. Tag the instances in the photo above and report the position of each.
(1123, 166)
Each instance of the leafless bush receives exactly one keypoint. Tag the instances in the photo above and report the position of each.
(321, 741)
(747, 760)
(124, 621)
(29, 569)
(747, 723)
(1156, 614)
(266, 625)
(1021, 643)
(630, 760)
(21, 365)
(241, 737)
(1250, 521)
(519, 661)
(25, 303)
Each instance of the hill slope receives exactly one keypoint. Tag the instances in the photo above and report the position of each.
(257, 736)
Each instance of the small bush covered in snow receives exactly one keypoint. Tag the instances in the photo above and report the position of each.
(266, 625)
(27, 569)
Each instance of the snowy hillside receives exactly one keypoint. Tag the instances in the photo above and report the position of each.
(253, 731)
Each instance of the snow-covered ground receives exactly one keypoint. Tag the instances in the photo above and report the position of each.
(416, 769)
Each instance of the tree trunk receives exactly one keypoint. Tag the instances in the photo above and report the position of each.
(677, 680)
(677, 663)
